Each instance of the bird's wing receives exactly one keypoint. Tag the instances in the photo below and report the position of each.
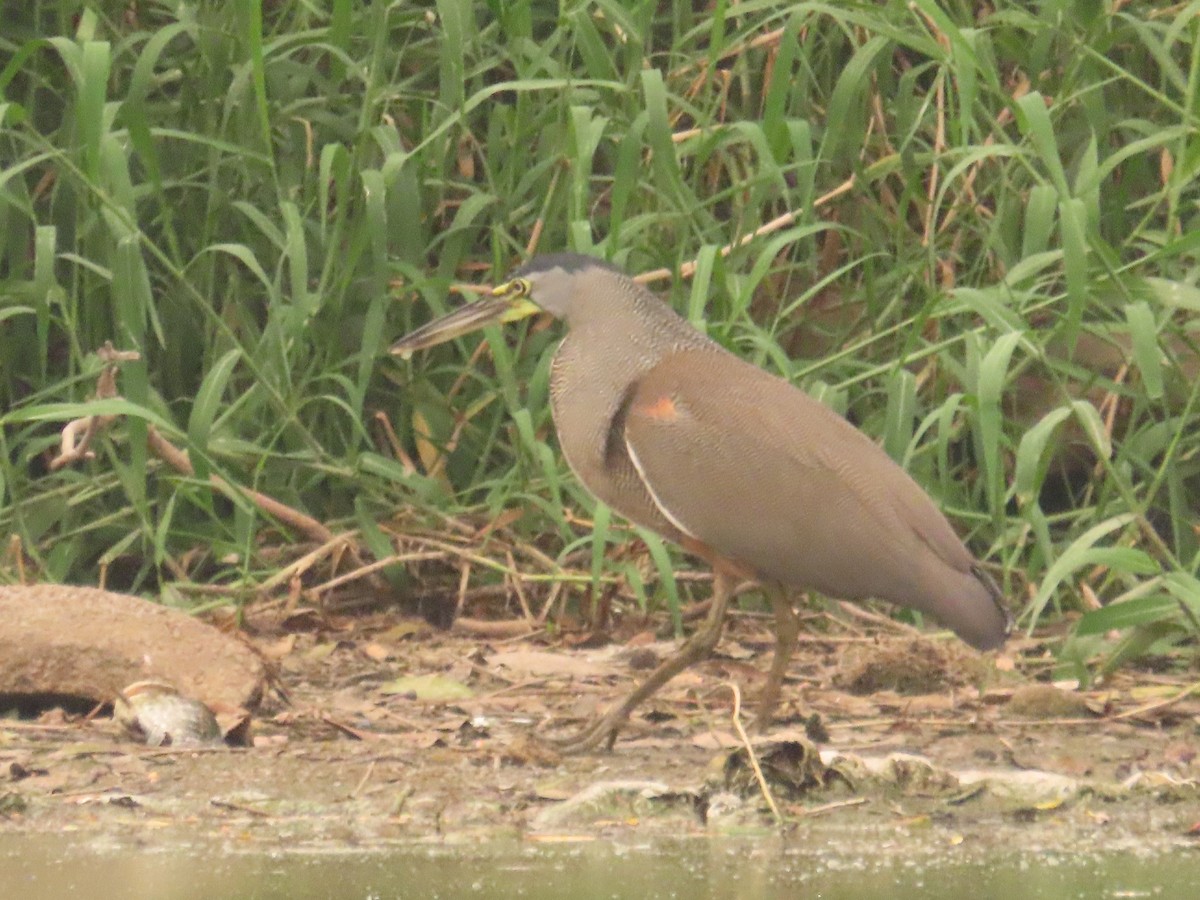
(762, 473)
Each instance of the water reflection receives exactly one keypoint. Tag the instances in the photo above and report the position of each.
(170, 868)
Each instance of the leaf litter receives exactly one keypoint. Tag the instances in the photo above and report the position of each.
(439, 737)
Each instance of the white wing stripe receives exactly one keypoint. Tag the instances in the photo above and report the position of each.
(670, 516)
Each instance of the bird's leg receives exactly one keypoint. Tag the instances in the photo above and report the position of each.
(604, 730)
(787, 630)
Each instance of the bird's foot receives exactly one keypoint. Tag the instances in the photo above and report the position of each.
(603, 732)
(600, 734)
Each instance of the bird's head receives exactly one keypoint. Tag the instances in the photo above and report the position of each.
(551, 284)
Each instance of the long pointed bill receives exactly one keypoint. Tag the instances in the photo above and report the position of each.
(463, 320)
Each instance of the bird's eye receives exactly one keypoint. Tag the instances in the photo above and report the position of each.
(521, 288)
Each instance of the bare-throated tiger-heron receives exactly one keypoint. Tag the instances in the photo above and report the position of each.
(735, 465)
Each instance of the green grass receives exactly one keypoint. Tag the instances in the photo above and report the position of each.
(1006, 296)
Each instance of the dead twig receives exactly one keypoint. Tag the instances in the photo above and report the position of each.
(832, 807)
(500, 628)
(1159, 704)
(736, 717)
(688, 269)
(77, 435)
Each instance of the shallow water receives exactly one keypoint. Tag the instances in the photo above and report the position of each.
(40, 866)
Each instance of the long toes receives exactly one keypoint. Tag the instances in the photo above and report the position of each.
(600, 734)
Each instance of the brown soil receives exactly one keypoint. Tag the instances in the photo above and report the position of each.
(380, 729)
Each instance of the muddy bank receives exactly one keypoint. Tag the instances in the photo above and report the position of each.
(382, 733)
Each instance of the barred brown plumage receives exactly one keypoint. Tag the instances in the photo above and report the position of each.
(738, 466)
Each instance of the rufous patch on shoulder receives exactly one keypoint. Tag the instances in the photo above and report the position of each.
(661, 407)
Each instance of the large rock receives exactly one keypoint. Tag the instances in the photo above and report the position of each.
(84, 642)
